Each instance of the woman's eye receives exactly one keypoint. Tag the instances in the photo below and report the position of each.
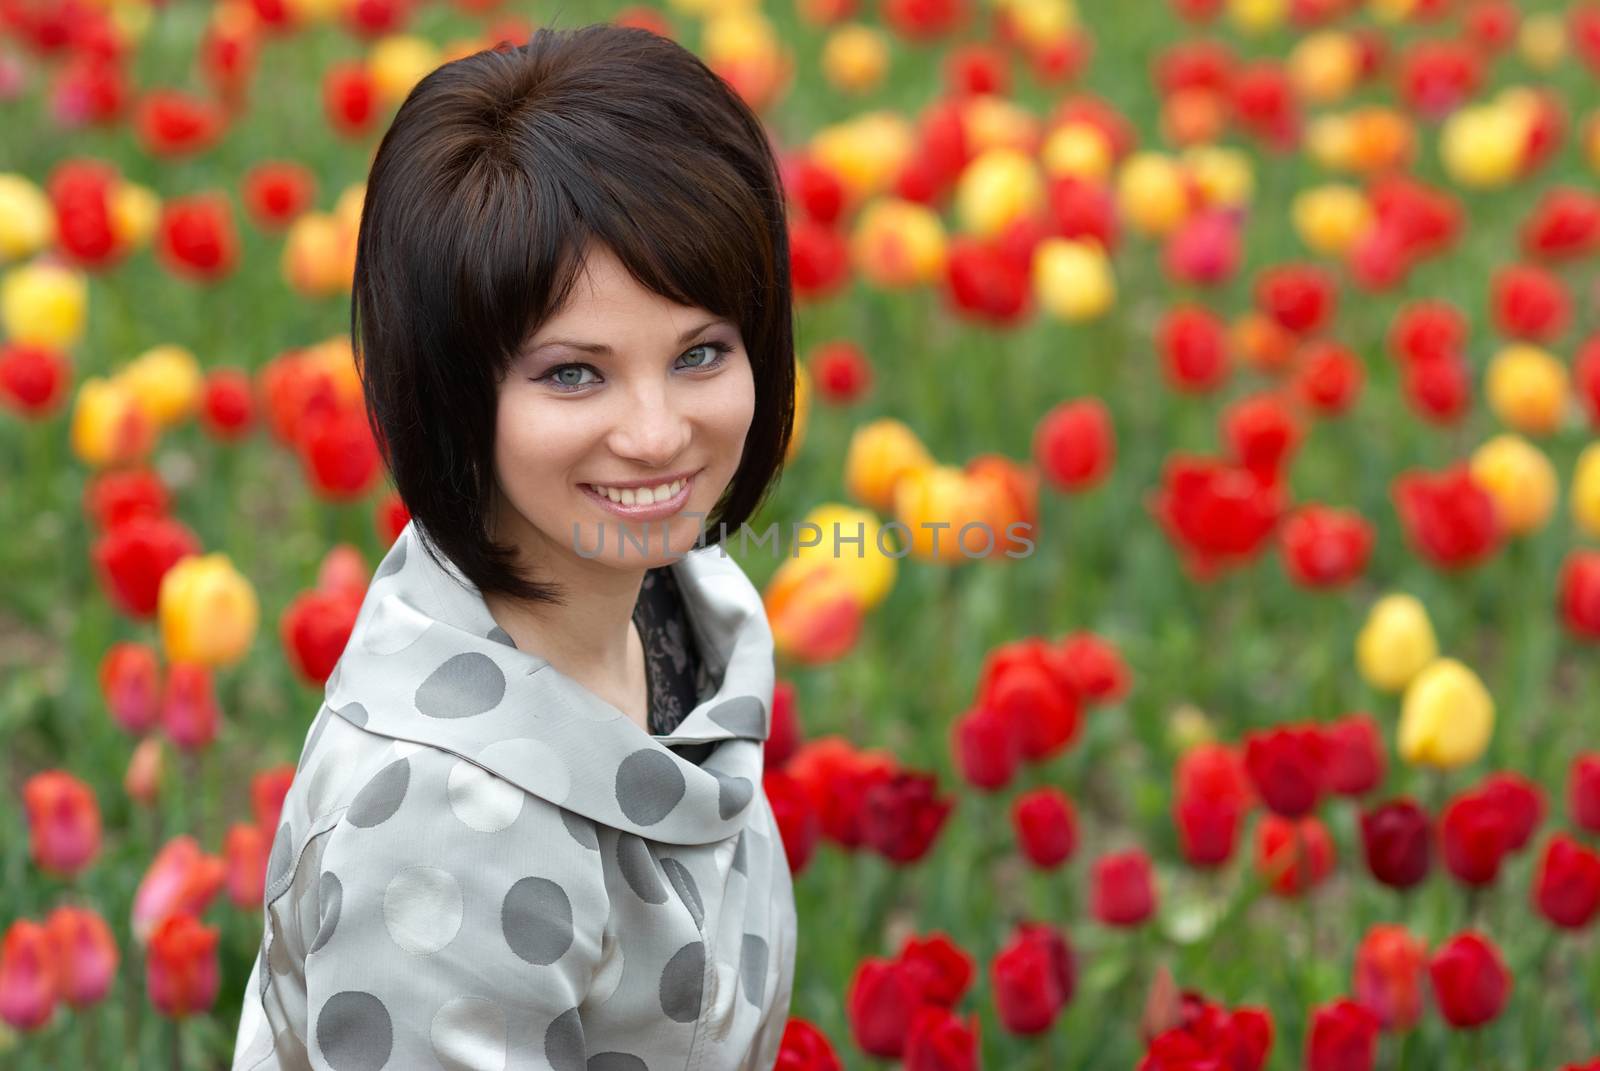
(555, 376)
(568, 377)
(717, 351)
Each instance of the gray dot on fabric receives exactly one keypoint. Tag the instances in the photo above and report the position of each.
(392, 562)
(536, 918)
(753, 967)
(278, 862)
(354, 1032)
(616, 1061)
(466, 684)
(581, 828)
(681, 982)
(688, 892)
(733, 794)
(380, 797)
(563, 1042)
(500, 635)
(354, 713)
(739, 862)
(649, 785)
(639, 870)
(330, 897)
(743, 715)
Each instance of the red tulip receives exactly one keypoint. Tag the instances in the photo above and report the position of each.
(1324, 547)
(63, 822)
(172, 123)
(1583, 791)
(1205, 250)
(181, 972)
(1475, 833)
(349, 98)
(1218, 514)
(1450, 520)
(1026, 682)
(1437, 75)
(1579, 586)
(1287, 767)
(798, 823)
(1353, 751)
(1428, 328)
(1438, 389)
(1343, 1037)
(902, 814)
(1520, 800)
(131, 558)
(277, 191)
(27, 975)
(1566, 888)
(940, 1040)
(227, 409)
(819, 260)
(1292, 856)
(1208, 828)
(189, 712)
(786, 734)
(1329, 378)
(987, 748)
(1094, 669)
(924, 20)
(1530, 303)
(244, 854)
(880, 1002)
(181, 879)
(338, 454)
(33, 379)
(1470, 981)
(842, 372)
(1397, 839)
(1389, 975)
(985, 284)
(1264, 104)
(115, 495)
(1193, 343)
(196, 238)
(1075, 444)
(1300, 297)
(1262, 433)
(945, 969)
(1586, 378)
(817, 191)
(1564, 225)
(1491, 25)
(1122, 888)
(805, 1048)
(130, 684)
(314, 629)
(86, 954)
(1032, 977)
(1046, 826)
(837, 777)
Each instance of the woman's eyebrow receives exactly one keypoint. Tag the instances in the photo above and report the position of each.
(602, 348)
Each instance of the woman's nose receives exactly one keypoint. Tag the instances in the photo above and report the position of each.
(654, 430)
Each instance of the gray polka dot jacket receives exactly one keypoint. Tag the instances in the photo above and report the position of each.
(482, 865)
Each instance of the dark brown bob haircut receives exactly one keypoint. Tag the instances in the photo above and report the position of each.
(498, 171)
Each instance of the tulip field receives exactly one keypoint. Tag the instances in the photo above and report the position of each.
(1273, 325)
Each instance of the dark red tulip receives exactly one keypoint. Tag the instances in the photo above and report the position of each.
(1032, 977)
(1046, 826)
(1287, 766)
(901, 815)
(1397, 839)
(1583, 791)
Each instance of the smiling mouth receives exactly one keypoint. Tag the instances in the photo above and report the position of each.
(664, 499)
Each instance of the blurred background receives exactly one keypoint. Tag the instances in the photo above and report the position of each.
(1275, 319)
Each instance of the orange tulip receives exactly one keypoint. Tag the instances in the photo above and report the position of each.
(244, 852)
(142, 781)
(181, 971)
(814, 610)
(63, 822)
(182, 879)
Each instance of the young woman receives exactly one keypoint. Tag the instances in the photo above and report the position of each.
(527, 829)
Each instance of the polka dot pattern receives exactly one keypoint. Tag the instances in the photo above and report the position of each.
(649, 785)
(354, 1032)
(638, 869)
(465, 686)
(536, 920)
(381, 797)
(422, 909)
(563, 1042)
(482, 801)
(682, 982)
(688, 892)
(330, 898)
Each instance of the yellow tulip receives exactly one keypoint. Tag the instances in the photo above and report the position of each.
(1395, 643)
(1331, 142)
(166, 381)
(109, 426)
(1039, 23)
(43, 304)
(208, 611)
(937, 503)
(1520, 479)
(1482, 146)
(1079, 149)
(855, 58)
(1151, 193)
(898, 243)
(1526, 387)
(27, 221)
(1222, 174)
(1391, 10)
(348, 207)
(1072, 278)
(997, 188)
(1446, 718)
(879, 454)
(1542, 40)
(312, 261)
(857, 545)
(1586, 490)
(1325, 66)
(1331, 217)
(1257, 16)
(991, 121)
(802, 410)
(739, 36)
(135, 210)
(867, 152)
(399, 61)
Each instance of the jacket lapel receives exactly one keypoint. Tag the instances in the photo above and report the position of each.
(427, 663)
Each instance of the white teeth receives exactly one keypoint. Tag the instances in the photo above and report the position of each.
(641, 496)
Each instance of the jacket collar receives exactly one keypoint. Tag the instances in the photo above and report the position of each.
(427, 663)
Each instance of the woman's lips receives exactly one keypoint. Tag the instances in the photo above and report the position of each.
(657, 510)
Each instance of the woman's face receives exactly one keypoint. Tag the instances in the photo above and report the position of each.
(620, 387)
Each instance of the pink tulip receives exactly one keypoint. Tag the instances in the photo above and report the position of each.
(181, 879)
(86, 953)
(27, 976)
(63, 822)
